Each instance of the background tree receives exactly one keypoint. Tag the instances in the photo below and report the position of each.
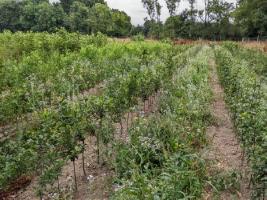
(158, 10)
(149, 5)
(220, 14)
(175, 27)
(251, 16)
(121, 23)
(172, 6)
(100, 19)
(153, 27)
(41, 16)
(66, 4)
(78, 17)
(218, 20)
(10, 14)
(91, 3)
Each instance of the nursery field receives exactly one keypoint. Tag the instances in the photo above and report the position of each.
(90, 117)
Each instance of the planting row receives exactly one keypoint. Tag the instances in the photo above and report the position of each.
(57, 134)
(38, 80)
(161, 159)
(246, 96)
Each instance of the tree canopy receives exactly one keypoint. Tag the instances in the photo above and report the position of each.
(85, 16)
(218, 20)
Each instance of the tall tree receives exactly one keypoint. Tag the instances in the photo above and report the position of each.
(175, 26)
(66, 4)
(153, 8)
(41, 16)
(121, 23)
(206, 11)
(192, 11)
(158, 10)
(172, 6)
(91, 3)
(78, 16)
(100, 19)
(251, 16)
(149, 5)
(10, 15)
(220, 16)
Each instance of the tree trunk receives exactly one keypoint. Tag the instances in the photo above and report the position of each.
(121, 125)
(144, 106)
(58, 187)
(127, 122)
(98, 147)
(84, 172)
(74, 173)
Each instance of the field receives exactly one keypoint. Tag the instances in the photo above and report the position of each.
(90, 117)
(262, 46)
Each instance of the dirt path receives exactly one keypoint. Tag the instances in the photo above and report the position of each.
(224, 150)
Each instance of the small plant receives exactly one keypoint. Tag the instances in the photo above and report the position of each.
(138, 38)
(226, 181)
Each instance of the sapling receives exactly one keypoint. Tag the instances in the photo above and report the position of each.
(98, 110)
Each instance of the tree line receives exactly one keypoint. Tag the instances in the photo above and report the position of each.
(85, 16)
(218, 20)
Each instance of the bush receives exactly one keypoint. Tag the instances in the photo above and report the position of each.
(138, 38)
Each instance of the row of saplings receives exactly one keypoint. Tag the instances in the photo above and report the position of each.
(60, 134)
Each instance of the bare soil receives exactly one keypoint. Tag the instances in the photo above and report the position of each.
(224, 150)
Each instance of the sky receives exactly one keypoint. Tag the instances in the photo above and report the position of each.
(134, 8)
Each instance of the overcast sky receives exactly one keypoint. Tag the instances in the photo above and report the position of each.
(134, 8)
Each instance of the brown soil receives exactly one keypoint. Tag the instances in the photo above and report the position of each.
(224, 150)
(20, 183)
(98, 181)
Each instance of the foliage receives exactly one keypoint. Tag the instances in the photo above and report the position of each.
(83, 16)
(138, 37)
(251, 16)
(218, 20)
(247, 100)
(161, 160)
(226, 181)
(56, 130)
